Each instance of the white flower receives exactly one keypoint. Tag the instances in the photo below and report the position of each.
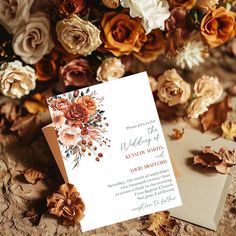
(69, 135)
(208, 87)
(16, 80)
(153, 12)
(197, 107)
(191, 55)
(110, 69)
(32, 40)
(58, 119)
(13, 12)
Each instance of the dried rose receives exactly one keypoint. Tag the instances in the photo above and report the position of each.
(67, 7)
(66, 203)
(113, 4)
(153, 83)
(78, 72)
(78, 36)
(208, 87)
(76, 114)
(32, 40)
(197, 107)
(229, 130)
(16, 80)
(172, 89)
(111, 68)
(33, 176)
(121, 33)
(152, 48)
(88, 103)
(187, 4)
(218, 26)
(206, 5)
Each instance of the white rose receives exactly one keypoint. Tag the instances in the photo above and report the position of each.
(111, 68)
(32, 40)
(208, 87)
(154, 13)
(13, 12)
(197, 107)
(16, 80)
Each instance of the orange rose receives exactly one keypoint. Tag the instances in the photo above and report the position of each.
(88, 103)
(218, 26)
(154, 47)
(187, 4)
(121, 33)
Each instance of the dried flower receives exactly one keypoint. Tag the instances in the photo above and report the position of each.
(113, 4)
(206, 5)
(122, 34)
(78, 36)
(153, 12)
(110, 69)
(229, 130)
(66, 203)
(67, 7)
(77, 72)
(153, 47)
(177, 134)
(197, 107)
(187, 4)
(218, 26)
(16, 80)
(208, 87)
(33, 176)
(153, 83)
(172, 89)
(32, 40)
(192, 54)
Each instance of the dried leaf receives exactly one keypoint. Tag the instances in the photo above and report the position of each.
(160, 223)
(216, 114)
(221, 161)
(37, 103)
(33, 176)
(177, 134)
(229, 130)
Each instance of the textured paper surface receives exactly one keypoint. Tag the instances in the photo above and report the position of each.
(134, 177)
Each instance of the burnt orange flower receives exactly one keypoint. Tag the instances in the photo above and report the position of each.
(88, 103)
(187, 4)
(218, 26)
(154, 47)
(67, 7)
(121, 33)
(66, 203)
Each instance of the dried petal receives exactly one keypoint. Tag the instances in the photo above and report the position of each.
(229, 130)
(228, 156)
(177, 134)
(33, 176)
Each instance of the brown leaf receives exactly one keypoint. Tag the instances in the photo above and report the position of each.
(177, 134)
(160, 223)
(165, 112)
(33, 176)
(216, 114)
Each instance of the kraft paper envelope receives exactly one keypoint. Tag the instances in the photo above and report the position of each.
(203, 191)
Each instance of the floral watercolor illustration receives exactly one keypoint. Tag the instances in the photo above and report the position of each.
(80, 124)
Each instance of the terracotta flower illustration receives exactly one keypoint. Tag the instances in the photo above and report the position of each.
(80, 124)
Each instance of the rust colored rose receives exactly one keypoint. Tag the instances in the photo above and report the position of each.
(77, 72)
(121, 33)
(47, 67)
(88, 103)
(154, 47)
(67, 7)
(66, 203)
(60, 104)
(76, 114)
(187, 4)
(218, 26)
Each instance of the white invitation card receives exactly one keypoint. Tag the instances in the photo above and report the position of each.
(114, 150)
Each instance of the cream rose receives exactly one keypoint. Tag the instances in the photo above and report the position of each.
(197, 107)
(69, 135)
(78, 36)
(16, 80)
(32, 40)
(111, 68)
(13, 12)
(208, 87)
(154, 13)
(172, 89)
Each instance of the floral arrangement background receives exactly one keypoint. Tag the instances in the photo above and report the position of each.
(51, 47)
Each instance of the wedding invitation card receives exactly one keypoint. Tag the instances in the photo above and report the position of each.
(113, 150)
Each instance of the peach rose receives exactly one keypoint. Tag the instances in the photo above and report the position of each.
(218, 26)
(88, 103)
(69, 135)
(172, 89)
(154, 47)
(187, 4)
(121, 33)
